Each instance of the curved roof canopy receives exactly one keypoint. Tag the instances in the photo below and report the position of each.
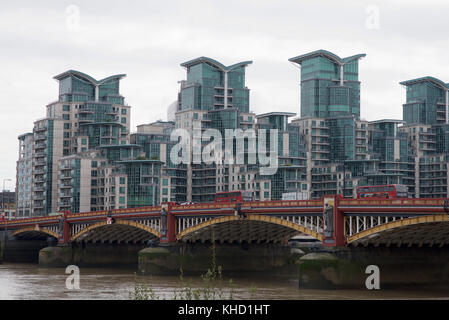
(215, 64)
(323, 53)
(87, 77)
(433, 80)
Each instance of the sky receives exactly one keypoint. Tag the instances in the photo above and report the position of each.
(148, 40)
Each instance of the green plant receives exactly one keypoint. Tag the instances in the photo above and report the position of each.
(213, 287)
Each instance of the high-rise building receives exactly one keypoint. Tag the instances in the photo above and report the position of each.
(83, 157)
(211, 85)
(329, 84)
(427, 101)
(24, 201)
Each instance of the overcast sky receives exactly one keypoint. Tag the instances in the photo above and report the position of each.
(148, 40)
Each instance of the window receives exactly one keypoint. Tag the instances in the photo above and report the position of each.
(123, 120)
(165, 182)
(122, 180)
(122, 190)
(123, 111)
(66, 116)
(122, 200)
(65, 108)
(164, 191)
(83, 141)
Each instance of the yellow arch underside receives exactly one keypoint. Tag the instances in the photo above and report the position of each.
(251, 217)
(399, 223)
(119, 222)
(30, 229)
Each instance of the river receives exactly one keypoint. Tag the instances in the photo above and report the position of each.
(28, 281)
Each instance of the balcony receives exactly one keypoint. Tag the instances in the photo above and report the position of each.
(39, 171)
(40, 129)
(40, 137)
(64, 177)
(39, 146)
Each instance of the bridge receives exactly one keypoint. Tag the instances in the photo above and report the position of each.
(336, 222)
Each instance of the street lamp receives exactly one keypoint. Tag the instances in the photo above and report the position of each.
(3, 195)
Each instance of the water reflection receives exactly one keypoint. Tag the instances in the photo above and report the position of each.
(28, 281)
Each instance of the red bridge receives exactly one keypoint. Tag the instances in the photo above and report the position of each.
(334, 221)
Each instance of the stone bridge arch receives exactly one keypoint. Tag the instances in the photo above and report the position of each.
(121, 231)
(254, 228)
(33, 233)
(427, 230)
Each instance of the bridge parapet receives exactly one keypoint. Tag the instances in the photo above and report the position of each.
(339, 223)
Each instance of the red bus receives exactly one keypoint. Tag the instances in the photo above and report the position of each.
(233, 196)
(390, 191)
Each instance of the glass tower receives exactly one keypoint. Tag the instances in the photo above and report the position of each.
(427, 101)
(329, 84)
(211, 85)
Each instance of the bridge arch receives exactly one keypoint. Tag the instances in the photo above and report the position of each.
(31, 233)
(421, 230)
(252, 228)
(119, 231)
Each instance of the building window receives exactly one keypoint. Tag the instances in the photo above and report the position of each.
(122, 180)
(123, 111)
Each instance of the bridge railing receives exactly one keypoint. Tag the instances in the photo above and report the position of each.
(394, 202)
(138, 210)
(29, 221)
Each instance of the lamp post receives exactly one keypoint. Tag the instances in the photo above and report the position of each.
(5, 237)
(3, 196)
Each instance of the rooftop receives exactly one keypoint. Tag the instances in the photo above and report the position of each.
(433, 80)
(87, 77)
(214, 63)
(269, 114)
(326, 54)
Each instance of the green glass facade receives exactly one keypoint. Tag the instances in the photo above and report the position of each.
(143, 182)
(329, 84)
(425, 101)
(206, 82)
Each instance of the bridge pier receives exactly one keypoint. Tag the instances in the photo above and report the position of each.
(13, 250)
(234, 259)
(398, 266)
(90, 255)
